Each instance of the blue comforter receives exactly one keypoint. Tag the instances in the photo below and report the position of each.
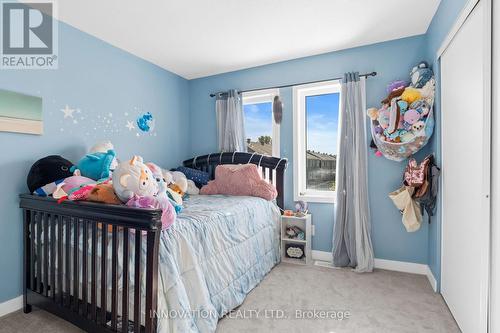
(217, 251)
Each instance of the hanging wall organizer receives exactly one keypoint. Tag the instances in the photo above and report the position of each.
(405, 122)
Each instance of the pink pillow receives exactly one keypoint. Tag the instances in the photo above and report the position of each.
(242, 179)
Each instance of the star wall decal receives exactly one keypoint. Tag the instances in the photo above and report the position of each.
(130, 125)
(68, 112)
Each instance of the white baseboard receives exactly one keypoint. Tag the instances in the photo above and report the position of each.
(432, 280)
(11, 305)
(391, 265)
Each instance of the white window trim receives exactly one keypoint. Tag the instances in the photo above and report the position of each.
(266, 96)
(299, 140)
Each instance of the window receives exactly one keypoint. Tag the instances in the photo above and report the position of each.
(316, 127)
(262, 132)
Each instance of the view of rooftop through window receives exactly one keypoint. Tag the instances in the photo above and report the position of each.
(322, 113)
(259, 127)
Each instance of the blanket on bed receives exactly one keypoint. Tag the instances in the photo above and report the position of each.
(219, 249)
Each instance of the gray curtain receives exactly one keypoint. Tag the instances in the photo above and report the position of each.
(230, 122)
(352, 245)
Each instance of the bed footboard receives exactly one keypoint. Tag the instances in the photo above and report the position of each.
(73, 249)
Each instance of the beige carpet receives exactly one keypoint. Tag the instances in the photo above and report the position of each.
(382, 301)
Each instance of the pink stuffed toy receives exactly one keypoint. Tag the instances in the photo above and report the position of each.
(168, 212)
(70, 185)
(243, 179)
(412, 116)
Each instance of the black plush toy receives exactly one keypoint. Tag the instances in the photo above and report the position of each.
(48, 170)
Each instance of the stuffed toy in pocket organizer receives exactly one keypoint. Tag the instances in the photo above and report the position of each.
(405, 121)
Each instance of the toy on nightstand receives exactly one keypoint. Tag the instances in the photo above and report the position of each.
(294, 232)
(301, 208)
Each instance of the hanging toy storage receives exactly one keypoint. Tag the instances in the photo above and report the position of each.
(405, 122)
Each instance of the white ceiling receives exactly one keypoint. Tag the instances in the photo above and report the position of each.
(196, 38)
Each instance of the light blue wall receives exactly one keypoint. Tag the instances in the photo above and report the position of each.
(98, 79)
(392, 60)
(443, 20)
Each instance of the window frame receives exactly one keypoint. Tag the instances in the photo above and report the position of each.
(266, 96)
(300, 92)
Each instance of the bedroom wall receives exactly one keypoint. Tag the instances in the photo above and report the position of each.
(445, 17)
(392, 60)
(98, 79)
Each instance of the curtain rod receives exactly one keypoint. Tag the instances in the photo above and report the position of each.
(291, 85)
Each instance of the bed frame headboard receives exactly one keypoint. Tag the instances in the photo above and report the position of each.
(272, 168)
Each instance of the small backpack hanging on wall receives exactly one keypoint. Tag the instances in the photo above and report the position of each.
(405, 122)
(424, 177)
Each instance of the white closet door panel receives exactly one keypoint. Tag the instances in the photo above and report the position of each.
(464, 155)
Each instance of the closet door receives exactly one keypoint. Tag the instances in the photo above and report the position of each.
(465, 136)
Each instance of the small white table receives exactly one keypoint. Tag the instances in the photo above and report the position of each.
(304, 223)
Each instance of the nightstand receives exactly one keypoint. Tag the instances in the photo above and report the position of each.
(296, 250)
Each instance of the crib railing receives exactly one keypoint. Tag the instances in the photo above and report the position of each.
(68, 249)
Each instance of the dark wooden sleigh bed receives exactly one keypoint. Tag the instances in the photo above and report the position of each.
(57, 277)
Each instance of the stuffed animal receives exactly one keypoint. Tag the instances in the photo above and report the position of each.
(168, 215)
(95, 166)
(383, 117)
(372, 113)
(393, 94)
(70, 185)
(427, 91)
(410, 95)
(179, 182)
(417, 128)
(103, 193)
(104, 147)
(133, 178)
(394, 116)
(403, 106)
(407, 136)
(420, 75)
(395, 85)
(163, 187)
(46, 173)
(421, 106)
(192, 189)
(412, 116)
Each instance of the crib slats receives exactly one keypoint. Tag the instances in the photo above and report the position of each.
(67, 256)
(104, 269)
(27, 260)
(93, 264)
(45, 255)
(39, 220)
(60, 227)
(76, 264)
(151, 279)
(114, 282)
(125, 281)
(137, 281)
(53, 257)
(84, 266)
(61, 264)
(32, 249)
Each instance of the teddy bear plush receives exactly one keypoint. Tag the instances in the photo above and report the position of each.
(133, 178)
